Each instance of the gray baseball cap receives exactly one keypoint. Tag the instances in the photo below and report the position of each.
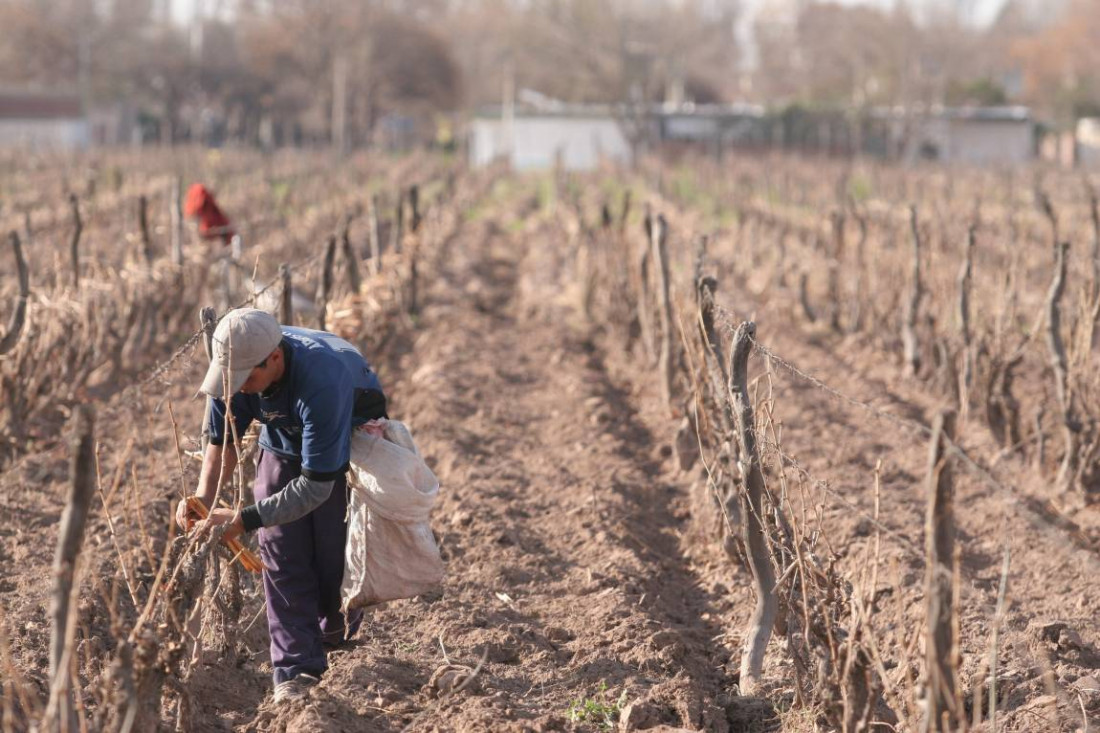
(243, 339)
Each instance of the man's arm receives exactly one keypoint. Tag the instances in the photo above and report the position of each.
(218, 464)
(301, 496)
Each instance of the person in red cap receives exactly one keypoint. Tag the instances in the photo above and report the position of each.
(213, 223)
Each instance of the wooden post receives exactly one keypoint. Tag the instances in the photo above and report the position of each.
(804, 297)
(1040, 438)
(619, 252)
(28, 236)
(413, 307)
(1071, 427)
(175, 214)
(1051, 215)
(1094, 216)
(834, 270)
(326, 281)
(1002, 409)
(74, 243)
(1088, 333)
(659, 241)
(994, 647)
(587, 270)
(940, 648)
(705, 288)
(780, 266)
(286, 302)
(645, 322)
(414, 206)
(399, 224)
(70, 539)
(373, 237)
(573, 198)
(19, 314)
(965, 282)
(208, 320)
(910, 344)
(143, 223)
(625, 213)
(351, 257)
(759, 629)
(701, 244)
(748, 243)
(862, 284)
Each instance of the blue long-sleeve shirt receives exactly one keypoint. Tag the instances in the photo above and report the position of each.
(308, 415)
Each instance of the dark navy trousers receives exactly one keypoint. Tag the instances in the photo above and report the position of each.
(305, 565)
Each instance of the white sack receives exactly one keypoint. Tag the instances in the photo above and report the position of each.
(390, 552)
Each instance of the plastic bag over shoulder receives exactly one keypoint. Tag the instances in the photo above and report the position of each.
(391, 552)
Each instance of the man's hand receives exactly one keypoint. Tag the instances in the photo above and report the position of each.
(230, 517)
(217, 468)
(185, 517)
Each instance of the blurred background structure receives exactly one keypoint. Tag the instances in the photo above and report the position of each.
(559, 81)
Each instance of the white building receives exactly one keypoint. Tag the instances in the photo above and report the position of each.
(973, 135)
(537, 140)
(1088, 142)
(42, 121)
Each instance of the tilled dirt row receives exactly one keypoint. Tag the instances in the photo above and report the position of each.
(576, 588)
(560, 527)
(1048, 650)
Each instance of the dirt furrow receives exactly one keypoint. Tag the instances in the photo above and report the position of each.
(1050, 637)
(561, 530)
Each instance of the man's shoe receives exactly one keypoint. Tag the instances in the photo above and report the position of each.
(295, 688)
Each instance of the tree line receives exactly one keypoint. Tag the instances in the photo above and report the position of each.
(346, 71)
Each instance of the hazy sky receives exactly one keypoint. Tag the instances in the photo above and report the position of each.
(982, 11)
(978, 12)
